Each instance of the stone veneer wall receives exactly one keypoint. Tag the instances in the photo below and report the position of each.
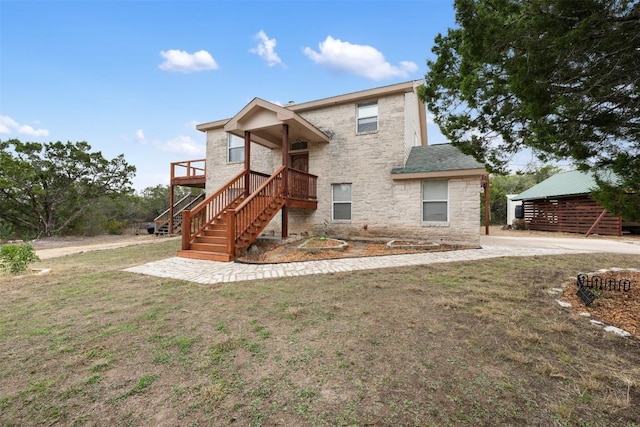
(219, 172)
(412, 123)
(381, 207)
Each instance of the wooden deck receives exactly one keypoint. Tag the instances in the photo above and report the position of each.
(189, 173)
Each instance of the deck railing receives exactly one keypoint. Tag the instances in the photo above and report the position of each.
(194, 221)
(188, 169)
(186, 202)
(302, 185)
(253, 203)
(247, 212)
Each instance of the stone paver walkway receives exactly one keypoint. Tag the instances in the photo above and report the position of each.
(210, 272)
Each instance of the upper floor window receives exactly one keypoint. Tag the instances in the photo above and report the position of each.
(435, 200)
(341, 202)
(235, 149)
(367, 117)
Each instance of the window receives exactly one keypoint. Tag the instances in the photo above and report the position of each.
(435, 200)
(235, 149)
(367, 117)
(298, 145)
(341, 201)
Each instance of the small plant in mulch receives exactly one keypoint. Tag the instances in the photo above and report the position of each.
(322, 243)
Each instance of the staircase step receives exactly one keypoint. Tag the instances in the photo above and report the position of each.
(204, 255)
(216, 226)
(208, 247)
(215, 232)
(214, 240)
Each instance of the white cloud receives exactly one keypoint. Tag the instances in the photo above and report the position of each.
(183, 145)
(140, 135)
(361, 60)
(8, 126)
(265, 49)
(28, 130)
(184, 62)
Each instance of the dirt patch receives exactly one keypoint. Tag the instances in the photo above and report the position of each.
(53, 247)
(614, 307)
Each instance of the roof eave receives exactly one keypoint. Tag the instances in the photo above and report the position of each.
(404, 87)
(458, 173)
(204, 127)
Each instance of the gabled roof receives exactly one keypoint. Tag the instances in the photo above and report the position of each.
(563, 184)
(359, 96)
(437, 160)
(264, 120)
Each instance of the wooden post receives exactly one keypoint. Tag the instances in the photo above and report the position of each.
(487, 203)
(247, 163)
(186, 229)
(285, 179)
(231, 232)
(171, 197)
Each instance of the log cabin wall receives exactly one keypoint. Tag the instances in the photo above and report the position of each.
(569, 214)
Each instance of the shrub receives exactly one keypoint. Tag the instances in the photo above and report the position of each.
(16, 257)
(116, 227)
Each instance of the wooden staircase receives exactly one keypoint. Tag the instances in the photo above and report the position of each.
(161, 222)
(211, 243)
(235, 215)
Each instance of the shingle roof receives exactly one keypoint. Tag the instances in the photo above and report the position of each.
(436, 158)
(562, 184)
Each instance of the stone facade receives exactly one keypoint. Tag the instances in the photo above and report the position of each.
(380, 205)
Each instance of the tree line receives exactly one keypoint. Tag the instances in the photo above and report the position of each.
(558, 77)
(58, 188)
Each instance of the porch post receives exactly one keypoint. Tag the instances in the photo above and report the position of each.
(487, 203)
(285, 179)
(171, 197)
(247, 163)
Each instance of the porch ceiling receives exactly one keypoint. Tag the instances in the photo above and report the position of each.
(264, 120)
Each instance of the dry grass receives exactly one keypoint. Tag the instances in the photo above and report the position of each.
(476, 343)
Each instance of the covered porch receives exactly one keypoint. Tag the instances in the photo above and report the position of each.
(278, 128)
(235, 214)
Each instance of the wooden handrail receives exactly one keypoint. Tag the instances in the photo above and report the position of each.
(251, 208)
(191, 170)
(261, 201)
(260, 188)
(196, 220)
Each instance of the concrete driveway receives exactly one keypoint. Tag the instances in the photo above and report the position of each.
(595, 244)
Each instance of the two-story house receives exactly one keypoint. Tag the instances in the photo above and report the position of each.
(350, 166)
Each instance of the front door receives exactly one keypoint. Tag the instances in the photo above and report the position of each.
(300, 162)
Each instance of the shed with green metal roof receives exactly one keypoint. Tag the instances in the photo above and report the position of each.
(563, 203)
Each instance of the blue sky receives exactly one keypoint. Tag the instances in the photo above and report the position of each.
(135, 77)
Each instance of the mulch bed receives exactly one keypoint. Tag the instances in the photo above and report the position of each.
(616, 308)
(268, 252)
